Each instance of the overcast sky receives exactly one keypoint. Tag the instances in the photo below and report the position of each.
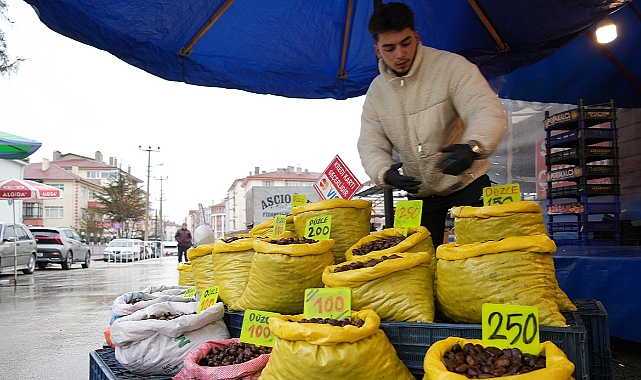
(75, 98)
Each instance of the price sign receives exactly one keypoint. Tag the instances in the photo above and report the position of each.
(190, 292)
(334, 303)
(280, 221)
(506, 326)
(298, 199)
(319, 227)
(255, 328)
(408, 214)
(207, 298)
(498, 195)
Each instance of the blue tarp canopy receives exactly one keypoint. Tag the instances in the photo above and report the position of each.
(321, 48)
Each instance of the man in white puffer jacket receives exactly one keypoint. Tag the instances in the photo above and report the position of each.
(437, 110)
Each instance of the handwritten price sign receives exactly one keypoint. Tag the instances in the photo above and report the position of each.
(318, 228)
(255, 328)
(298, 199)
(505, 326)
(207, 298)
(280, 221)
(190, 292)
(408, 214)
(334, 303)
(498, 195)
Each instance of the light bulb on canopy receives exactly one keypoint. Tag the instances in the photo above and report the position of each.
(606, 31)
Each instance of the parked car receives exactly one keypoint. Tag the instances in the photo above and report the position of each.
(153, 248)
(20, 241)
(60, 245)
(170, 248)
(124, 250)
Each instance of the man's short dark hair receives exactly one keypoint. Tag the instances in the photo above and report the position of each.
(390, 17)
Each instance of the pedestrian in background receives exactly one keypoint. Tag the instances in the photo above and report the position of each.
(183, 237)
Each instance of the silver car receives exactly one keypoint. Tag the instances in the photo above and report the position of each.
(20, 240)
(60, 245)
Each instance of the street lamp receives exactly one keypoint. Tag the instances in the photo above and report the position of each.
(148, 150)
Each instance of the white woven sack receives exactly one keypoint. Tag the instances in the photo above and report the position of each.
(155, 347)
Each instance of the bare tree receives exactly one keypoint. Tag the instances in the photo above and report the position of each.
(7, 66)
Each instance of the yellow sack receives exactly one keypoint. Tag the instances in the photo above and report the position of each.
(477, 224)
(232, 262)
(418, 240)
(185, 274)
(280, 274)
(515, 271)
(202, 268)
(266, 228)
(350, 221)
(322, 352)
(558, 367)
(398, 290)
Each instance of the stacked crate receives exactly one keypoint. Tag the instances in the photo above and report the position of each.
(583, 176)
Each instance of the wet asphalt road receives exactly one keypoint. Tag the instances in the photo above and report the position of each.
(53, 319)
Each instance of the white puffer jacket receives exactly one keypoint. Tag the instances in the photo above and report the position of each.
(443, 100)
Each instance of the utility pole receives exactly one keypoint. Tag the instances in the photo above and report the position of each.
(162, 221)
(148, 150)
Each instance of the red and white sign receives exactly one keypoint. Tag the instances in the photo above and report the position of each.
(337, 181)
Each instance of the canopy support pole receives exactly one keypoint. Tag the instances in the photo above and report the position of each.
(502, 46)
(188, 49)
(615, 61)
(342, 74)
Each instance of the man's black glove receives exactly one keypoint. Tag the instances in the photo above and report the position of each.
(403, 182)
(460, 157)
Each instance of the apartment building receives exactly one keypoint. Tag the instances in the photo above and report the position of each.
(79, 177)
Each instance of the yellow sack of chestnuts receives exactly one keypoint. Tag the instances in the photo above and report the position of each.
(280, 274)
(313, 351)
(266, 228)
(202, 268)
(232, 260)
(350, 221)
(558, 367)
(515, 271)
(185, 274)
(477, 224)
(398, 290)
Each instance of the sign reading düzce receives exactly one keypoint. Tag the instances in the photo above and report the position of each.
(337, 181)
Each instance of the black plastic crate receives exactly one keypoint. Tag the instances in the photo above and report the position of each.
(588, 136)
(234, 322)
(595, 320)
(590, 115)
(580, 190)
(586, 243)
(584, 227)
(583, 208)
(412, 340)
(104, 366)
(586, 171)
(574, 156)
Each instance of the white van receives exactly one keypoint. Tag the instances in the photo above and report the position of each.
(170, 248)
